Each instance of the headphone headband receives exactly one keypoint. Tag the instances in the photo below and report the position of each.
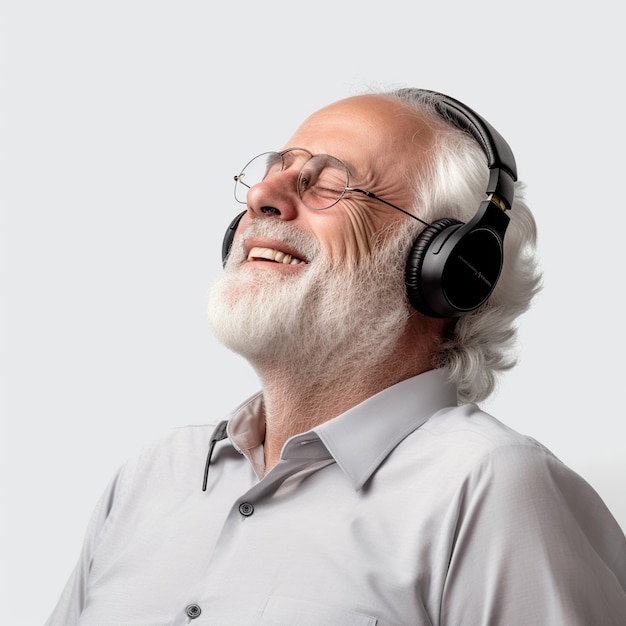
(500, 159)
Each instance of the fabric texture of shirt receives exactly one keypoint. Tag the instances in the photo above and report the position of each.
(407, 509)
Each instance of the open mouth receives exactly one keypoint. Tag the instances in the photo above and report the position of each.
(270, 254)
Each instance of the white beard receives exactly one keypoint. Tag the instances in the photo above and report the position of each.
(330, 315)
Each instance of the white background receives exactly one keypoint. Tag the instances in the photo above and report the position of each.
(124, 124)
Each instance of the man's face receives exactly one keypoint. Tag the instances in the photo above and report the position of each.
(342, 291)
(381, 142)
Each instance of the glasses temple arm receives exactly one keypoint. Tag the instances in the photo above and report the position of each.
(369, 194)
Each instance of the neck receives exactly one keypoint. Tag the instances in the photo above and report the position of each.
(298, 398)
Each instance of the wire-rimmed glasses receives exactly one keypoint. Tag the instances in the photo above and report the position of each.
(322, 180)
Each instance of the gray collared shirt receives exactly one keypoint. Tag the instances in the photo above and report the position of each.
(406, 509)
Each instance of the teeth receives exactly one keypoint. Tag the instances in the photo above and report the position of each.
(273, 255)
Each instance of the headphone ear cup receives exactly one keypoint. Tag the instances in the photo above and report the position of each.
(229, 235)
(415, 261)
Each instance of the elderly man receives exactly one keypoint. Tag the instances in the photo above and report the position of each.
(373, 281)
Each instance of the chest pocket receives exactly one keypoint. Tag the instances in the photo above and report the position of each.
(280, 611)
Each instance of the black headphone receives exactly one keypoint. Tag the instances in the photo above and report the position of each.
(452, 267)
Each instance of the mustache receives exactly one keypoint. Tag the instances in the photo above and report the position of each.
(303, 242)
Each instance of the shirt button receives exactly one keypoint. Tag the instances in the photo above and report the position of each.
(246, 509)
(193, 611)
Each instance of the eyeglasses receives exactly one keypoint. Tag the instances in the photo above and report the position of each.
(322, 181)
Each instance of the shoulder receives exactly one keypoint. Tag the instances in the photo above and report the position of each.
(500, 474)
(173, 451)
(465, 440)
(173, 458)
(470, 424)
(465, 455)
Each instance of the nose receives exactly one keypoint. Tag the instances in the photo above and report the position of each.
(276, 196)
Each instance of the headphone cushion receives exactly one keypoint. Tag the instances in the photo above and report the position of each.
(229, 236)
(415, 261)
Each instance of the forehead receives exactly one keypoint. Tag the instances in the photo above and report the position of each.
(370, 129)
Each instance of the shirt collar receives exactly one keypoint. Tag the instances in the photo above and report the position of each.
(361, 438)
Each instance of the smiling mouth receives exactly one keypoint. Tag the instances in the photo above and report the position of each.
(269, 254)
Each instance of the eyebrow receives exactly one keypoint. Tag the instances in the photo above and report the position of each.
(348, 164)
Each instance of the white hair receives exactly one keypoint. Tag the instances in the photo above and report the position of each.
(481, 344)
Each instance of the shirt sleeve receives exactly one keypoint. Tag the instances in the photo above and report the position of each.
(535, 544)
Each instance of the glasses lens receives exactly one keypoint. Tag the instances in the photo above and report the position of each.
(255, 171)
(322, 181)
